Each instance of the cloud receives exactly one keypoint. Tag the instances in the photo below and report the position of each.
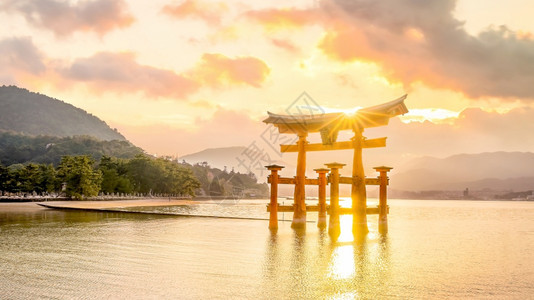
(285, 44)
(64, 18)
(21, 53)
(210, 12)
(119, 72)
(474, 131)
(218, 70)
(284, 18)
(422, 41)
(19, 57)
(418, 41)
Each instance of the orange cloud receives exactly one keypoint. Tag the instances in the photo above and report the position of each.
(284, 18)
(346, 43)
(217, 70)
(120, 72)
(414, 42)
(64, 18)
(210, 12)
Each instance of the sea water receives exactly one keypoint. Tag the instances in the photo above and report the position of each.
(434, 249)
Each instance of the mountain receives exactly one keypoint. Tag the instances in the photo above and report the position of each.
(499, 171)
(491, 170)
(238, 159)
(216, 157)
(31, 113)
(241, 159)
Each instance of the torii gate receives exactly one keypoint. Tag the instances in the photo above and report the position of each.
(329, 125)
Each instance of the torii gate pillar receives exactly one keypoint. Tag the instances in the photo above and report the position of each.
(273, 205)
(358, 192)
(321, 221)
(383, 199)
(333, 226)
(299, 214)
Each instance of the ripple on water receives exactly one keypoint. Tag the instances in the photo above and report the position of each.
(434, 249)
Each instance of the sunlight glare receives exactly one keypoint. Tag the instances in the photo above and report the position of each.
(342, 263)
(347, 295)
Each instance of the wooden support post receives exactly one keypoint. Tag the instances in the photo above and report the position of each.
(299, 215)
(358, 192)
(383, 199)
(333, 226)
(273, 205)
(321, 221)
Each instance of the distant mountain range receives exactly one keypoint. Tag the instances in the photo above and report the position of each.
(491, 170)
(228, 157)
(216, 157)
(22, 111)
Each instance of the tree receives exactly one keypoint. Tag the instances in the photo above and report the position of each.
(161, 176)
(215, 188)
(4, 179)
(143, 173)
(179, 180)
(14, 183)
(20, 148)
(48, 180)
(79, 176)
(28, 178)
(114, 176)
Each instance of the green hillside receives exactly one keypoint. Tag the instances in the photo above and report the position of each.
(31, 113)
(20, 149)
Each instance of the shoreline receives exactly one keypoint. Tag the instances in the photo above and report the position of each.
(4, 199)
(131, 201)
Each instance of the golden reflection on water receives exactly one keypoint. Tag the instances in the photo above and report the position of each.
(312, 264)
(345, 296)
(342, 263)
(434, 250)
(345, 224)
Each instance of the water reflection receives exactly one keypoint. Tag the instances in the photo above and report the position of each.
(317, 266)
(34, 217)
(67, 254)
(342, 264)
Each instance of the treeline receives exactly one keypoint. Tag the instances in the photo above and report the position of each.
(80, 176)
(19, 148)
(515, 195)
(223, 183)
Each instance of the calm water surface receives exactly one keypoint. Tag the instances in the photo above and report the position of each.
(434, 249)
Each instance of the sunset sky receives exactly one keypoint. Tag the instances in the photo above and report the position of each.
(177, 77)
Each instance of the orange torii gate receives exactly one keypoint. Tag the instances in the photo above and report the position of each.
(329, 125)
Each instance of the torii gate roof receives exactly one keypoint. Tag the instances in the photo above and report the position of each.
(373, 116)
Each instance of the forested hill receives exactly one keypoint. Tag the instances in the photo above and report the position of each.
(22, 149)
(31, 113)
